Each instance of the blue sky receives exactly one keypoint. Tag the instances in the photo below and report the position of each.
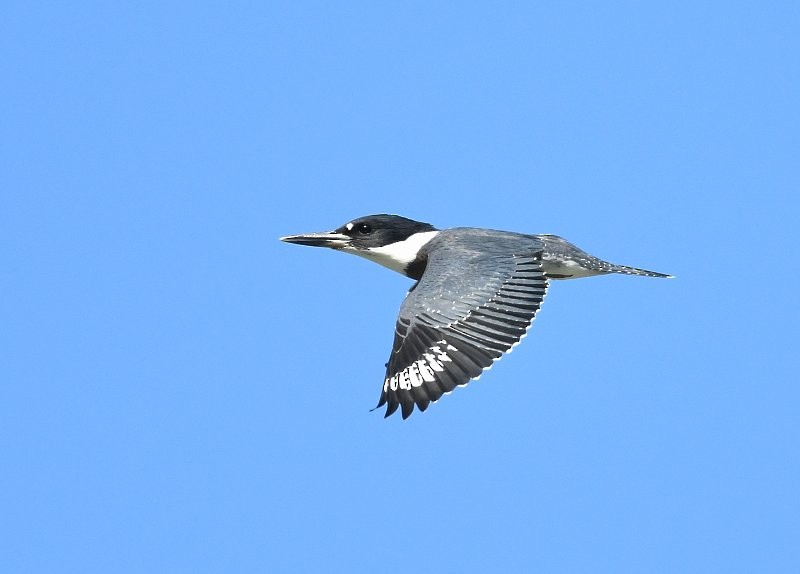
(184, 393)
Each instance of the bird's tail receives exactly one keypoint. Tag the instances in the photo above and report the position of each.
(625, 270)
(563, 260)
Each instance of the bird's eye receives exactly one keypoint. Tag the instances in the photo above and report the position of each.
(364, 228)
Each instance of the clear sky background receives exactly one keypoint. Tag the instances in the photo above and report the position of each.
(181, 392)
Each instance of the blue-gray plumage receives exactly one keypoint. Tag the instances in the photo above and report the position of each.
(477, 292)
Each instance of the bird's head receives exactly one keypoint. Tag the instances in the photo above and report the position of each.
(391, 240)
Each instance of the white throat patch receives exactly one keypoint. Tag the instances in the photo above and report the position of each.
(396, 256)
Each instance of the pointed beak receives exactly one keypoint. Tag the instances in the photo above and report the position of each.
(324, 239)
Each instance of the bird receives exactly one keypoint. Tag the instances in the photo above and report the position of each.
(475, 296)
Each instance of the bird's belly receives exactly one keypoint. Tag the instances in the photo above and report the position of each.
(565, 269)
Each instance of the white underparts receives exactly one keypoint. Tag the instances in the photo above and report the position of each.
(396, 256)
(567, 269)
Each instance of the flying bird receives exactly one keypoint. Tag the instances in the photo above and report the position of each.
(476, 294)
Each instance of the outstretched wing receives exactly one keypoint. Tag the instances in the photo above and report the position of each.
(468, 309)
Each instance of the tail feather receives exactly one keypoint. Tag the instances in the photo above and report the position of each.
(625, 270)
(562, 260)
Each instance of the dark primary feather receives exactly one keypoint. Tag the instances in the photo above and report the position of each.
(451, 327)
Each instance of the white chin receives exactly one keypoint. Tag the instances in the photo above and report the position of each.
(396, 256)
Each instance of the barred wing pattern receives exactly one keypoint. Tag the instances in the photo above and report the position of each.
(449, 330)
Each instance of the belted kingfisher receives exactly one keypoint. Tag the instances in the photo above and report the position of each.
(476, 294)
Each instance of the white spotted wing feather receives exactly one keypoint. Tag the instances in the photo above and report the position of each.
(472, 305)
